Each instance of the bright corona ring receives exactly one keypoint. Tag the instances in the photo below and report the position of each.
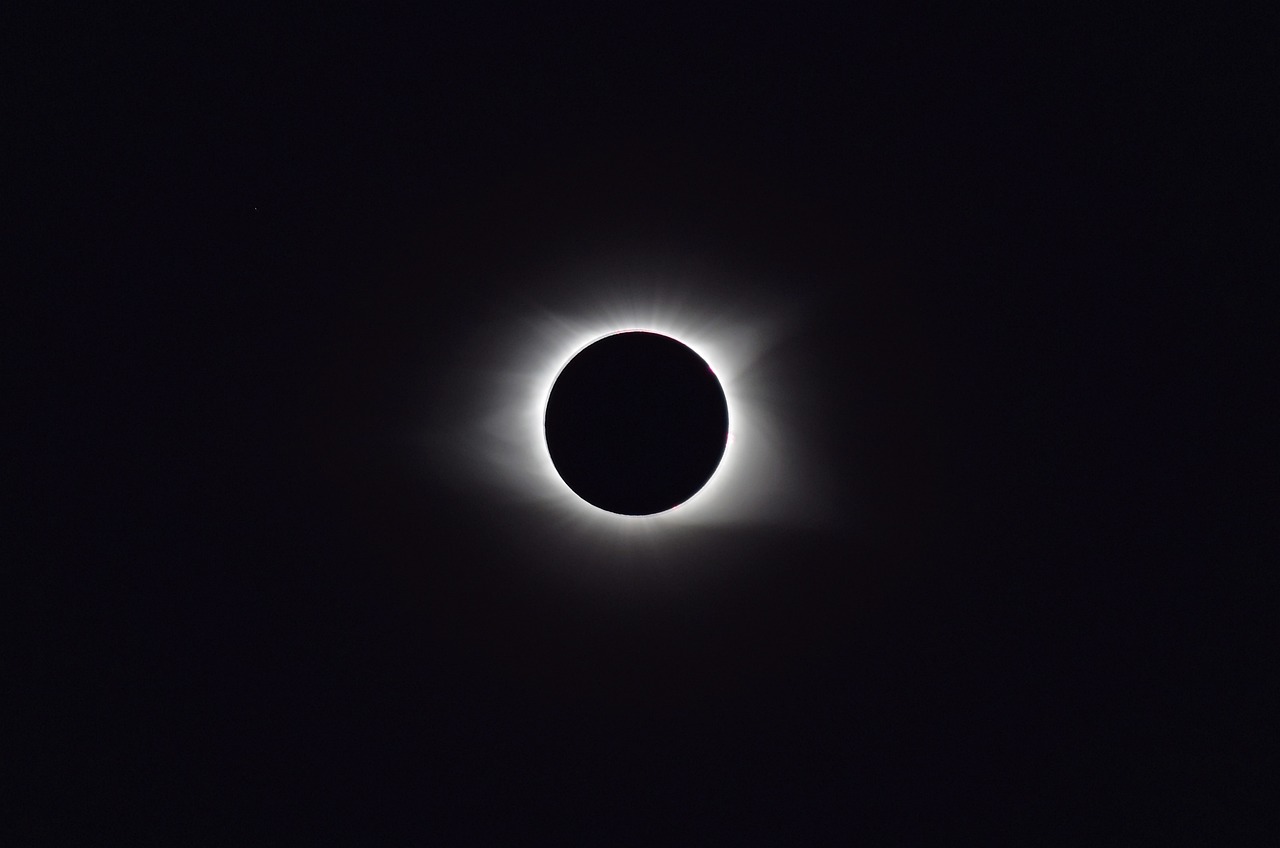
(745, 464)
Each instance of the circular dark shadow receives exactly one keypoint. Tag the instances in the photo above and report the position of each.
(636, 423)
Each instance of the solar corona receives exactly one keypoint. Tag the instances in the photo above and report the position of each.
(616, 412)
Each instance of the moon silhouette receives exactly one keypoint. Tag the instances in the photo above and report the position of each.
(636, 423)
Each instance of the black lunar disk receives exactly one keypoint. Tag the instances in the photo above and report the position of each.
(636, 423)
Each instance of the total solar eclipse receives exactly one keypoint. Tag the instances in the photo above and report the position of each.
(636, 423)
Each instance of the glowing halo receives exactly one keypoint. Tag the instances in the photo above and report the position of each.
(764, 477)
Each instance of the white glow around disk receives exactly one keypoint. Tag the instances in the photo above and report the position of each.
(764, 477)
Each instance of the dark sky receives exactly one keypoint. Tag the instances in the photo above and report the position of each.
(266, 246)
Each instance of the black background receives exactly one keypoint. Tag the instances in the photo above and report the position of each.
(246, 614)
